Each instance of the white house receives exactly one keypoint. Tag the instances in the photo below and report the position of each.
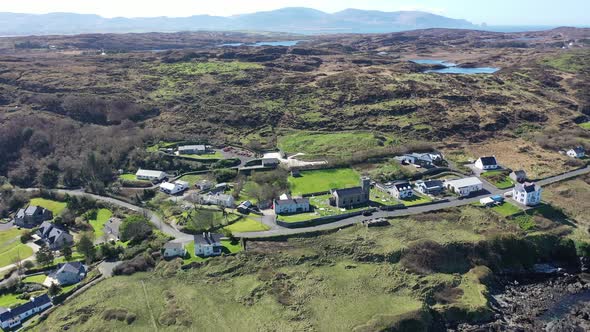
(487, 163)
(208, 244)
(464, 187)
(422, 159)
(577, 152)
(174, 249)
(192, 149)
(291, 205)
(399, 190)
(10, 318)
(67, 274)
(174, 188)
(527, 193)
(218, 199)
(149, 175)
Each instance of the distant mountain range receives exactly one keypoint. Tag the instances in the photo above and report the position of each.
(294, 20)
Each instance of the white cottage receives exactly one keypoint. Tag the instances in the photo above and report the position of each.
(464, 187)
(291, 205)
(150, 175)
(174, 249)
(10, 318)
(487, 163)
(208, 244)
(577, 152)
(174, 188)
(527, 193)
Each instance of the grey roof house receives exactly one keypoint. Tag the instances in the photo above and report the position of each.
(67, 274)
(54, 236)
(518, 176)
(32, 216)
(111, 229)
(430, 187)
(208, 244)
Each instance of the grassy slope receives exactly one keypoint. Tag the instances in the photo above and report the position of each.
(11, 247)
(55, 206)
(273, 294)
(192, 179)
(102, 216)
(328, 144)
(323, 180)
(574, 198)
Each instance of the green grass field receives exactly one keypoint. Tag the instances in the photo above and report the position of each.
(9, 300)
(585, 125)
(55, 206)
(506, 209)
(102, 216)
(246, 224)
(329, 144)
(37, 279)
(11, 247)
(323, 180)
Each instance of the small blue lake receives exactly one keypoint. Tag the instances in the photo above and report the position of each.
(452, 68)
(267, 43)
(433, 62)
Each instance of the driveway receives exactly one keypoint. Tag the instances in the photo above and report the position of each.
(6, 226)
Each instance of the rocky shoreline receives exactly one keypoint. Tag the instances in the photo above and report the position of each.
(538, 302)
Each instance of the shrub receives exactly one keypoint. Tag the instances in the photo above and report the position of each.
(140, 263)
(135, 228)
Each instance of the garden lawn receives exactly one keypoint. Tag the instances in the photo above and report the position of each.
(76, 257)
(323, 180)
(37, 279)
(507, 209)
(11, 247)
(206, 156)
(128, 177)
(192, 179)
(102, 216)
(499, 178)
(415, 200)
(246, 225)
(8, 300)
(55, 206)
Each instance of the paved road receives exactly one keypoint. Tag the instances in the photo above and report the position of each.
(406, 212)
(153, 217)
(275, 231)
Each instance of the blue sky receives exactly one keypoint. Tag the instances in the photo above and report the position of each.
(493, 12)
